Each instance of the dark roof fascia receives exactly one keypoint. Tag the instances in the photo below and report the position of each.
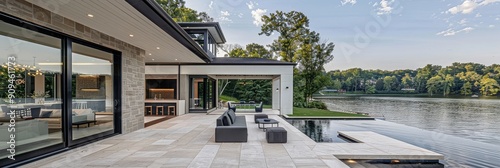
(205, 24)
(258, 64)
(158, 16)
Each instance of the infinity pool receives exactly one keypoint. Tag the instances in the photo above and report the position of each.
(459, 152)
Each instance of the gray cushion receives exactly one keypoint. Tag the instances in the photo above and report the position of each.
(45, 114)
(226, 121)
(232, 115)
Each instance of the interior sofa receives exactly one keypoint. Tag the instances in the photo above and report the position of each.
(54, 118)
(231, 128)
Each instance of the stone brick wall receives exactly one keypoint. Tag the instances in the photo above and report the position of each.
(133, 79)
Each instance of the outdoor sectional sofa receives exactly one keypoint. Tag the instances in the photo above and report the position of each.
(231, 128)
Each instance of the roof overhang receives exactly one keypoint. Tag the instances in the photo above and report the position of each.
(212, 27)
(141, 23)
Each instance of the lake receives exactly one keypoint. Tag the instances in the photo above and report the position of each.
(475, 119)
(466, 131)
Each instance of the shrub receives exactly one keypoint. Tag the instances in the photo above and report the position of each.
(317, 104)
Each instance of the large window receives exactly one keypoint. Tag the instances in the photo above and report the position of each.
(92, 82)
(54, 93)
(30, 90)
(202, 93)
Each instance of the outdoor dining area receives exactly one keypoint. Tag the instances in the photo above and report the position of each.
(245, 105)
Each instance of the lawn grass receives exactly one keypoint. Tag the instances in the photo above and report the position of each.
(227, 98)
(311, 112)
(265, 106)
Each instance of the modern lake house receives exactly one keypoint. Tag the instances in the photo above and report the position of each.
(74, 72)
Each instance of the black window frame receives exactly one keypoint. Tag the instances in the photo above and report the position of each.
(66, 56)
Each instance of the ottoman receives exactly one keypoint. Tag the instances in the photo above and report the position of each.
(259, 116)
(276, 135)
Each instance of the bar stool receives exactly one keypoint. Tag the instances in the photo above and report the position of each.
(148, 109)
(158, 108)
(171, 110)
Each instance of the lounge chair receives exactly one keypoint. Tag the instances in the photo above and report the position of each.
(258, 108)
(231, 107)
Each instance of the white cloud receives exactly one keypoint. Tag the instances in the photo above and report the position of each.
(452, 32)
(225, 13)
(251, 5)
(257, 16)
(224, 16)
(491, 26)
(468, 6)
(240, 15)
(497, 19)
(486, 2)
(478, 15)
(352, 2)
(385, 7)
(211, 5)
(462, 22)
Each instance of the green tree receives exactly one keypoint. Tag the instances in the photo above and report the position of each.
(370, 89)
(466, 89)
(290, 26)
(379, 85)
(180, 13)
(313, 56)
(238, 53)
(434, 83)
(407, 81)
(255, 50)
(489, 86)
(389, 82)
(336, 84)
(448, 82)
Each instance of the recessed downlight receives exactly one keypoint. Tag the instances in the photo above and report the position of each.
(90, 15)
(153, 59)
(176, 59)
(157, 48)
(131, 35)
(149, 53)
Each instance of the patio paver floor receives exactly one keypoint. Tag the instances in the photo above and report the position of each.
(188, 141)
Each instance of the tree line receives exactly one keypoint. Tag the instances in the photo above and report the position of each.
(457, 79)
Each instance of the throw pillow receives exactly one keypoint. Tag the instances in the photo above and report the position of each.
(45, 114)
(225, 121)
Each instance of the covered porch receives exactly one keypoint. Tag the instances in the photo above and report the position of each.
(197, 84)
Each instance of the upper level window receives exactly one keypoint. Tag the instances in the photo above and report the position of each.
(205, 40)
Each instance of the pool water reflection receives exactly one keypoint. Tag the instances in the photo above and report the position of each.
(459, 152)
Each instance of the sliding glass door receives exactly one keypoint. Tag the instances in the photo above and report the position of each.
(56, 91)
(92, 96)
(30, 91)
(202, 93)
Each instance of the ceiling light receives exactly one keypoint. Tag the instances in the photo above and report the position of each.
(157, 48)
(153, 59)
(149, 53)
(176, 59)
(90, 15)
(131, 35)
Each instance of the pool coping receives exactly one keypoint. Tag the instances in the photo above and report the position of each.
(372, 146)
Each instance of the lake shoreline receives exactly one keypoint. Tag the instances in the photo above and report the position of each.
(403, 95)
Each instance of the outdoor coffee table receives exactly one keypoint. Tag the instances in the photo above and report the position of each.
(265, 121)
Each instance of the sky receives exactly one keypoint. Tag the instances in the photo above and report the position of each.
(376, 34)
